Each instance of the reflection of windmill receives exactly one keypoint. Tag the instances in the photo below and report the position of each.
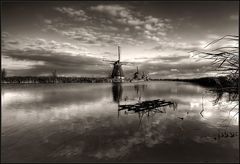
(117, 92)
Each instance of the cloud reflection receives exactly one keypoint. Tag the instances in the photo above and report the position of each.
(77, 125)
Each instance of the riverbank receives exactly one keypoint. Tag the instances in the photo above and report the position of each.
(218, 82)
(48, 79)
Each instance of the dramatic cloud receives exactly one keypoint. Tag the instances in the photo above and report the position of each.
(78, 38)
(119, 13)
(40, 56)
(62, 62)
(78, 15)
(153, 28)
(176, 46)
(171, 69)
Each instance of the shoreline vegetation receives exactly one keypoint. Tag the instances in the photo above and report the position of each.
(218, 82)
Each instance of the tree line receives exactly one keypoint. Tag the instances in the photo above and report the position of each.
(53, 78)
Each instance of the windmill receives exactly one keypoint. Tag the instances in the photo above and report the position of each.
(117, 74)
(137, 77)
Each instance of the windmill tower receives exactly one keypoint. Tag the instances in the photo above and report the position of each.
(117, 72)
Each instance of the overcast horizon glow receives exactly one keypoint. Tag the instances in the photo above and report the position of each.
(75, 38)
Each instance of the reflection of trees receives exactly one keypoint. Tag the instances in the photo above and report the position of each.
(231, 103)
(232, 96)
(219, 96)
(140, 88)
(3, 73)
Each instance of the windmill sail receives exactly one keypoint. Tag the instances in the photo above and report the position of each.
(119, 53)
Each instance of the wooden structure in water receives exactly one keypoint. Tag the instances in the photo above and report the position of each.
(148, 108)
(146, 105)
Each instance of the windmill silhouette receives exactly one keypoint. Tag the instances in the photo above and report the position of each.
(117, 75)
(117, 72)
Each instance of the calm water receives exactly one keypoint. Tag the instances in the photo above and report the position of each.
(81, 122)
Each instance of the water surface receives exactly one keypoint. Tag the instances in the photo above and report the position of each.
(82, 123)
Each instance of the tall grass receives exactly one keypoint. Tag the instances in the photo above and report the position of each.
(225, 58)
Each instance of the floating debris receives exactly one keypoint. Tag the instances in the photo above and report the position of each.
(146, 105)
(181, 118)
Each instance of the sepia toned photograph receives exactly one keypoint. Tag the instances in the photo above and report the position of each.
(120, 81)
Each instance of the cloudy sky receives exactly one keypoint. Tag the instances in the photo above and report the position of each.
(76, 38)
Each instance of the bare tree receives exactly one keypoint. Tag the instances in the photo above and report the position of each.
(54, 74)
(3, 73)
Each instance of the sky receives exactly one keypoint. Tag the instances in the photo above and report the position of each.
(81, 38)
